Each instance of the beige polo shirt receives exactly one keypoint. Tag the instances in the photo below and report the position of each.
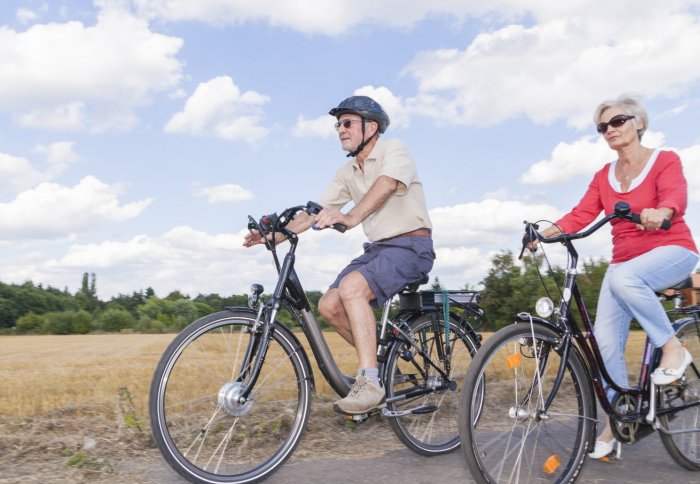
(404, 211)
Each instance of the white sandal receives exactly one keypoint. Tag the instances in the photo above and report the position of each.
(604, 449)
(664, 376)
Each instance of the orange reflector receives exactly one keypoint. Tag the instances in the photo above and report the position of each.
(551, 464)
(514, 360)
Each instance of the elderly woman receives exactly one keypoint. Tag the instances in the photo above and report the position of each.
(645, 259)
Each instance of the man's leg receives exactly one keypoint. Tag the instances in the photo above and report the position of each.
(331, 308)
(367, 393)
(355, 295)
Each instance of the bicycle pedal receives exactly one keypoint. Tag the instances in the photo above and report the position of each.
(610, 458)
(357, 418)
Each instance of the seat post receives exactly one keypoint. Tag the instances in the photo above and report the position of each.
(381, 339)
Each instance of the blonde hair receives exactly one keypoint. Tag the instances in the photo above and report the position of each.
(632, 107)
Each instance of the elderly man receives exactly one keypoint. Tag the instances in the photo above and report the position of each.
(388, 198)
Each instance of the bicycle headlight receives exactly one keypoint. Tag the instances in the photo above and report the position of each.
(544, 307)
(254, 295)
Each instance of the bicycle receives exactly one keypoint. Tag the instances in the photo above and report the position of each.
(231, 395)
(538, 420)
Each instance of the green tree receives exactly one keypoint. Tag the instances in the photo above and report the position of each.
(497, 297)
(30, 323)
(115, 319)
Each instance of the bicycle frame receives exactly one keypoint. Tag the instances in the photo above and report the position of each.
(586, 342)
(289, 294)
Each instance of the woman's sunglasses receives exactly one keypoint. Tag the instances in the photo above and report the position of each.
(615, 122)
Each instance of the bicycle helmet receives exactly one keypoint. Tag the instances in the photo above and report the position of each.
(366, 108)
(363, 106)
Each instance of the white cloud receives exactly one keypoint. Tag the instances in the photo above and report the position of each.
(322, 126)
(219, 108)
(59, 153)
(229, 193)
(319, 127)
(319, 17)
(563, 65)
(18, 173)
(69, 76)
(50, 210)
(690, 157)
(26, 15)
(584, 156)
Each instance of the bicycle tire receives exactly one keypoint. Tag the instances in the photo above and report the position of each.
(198, 424)
(684, 448)
(510, 440)
(437, 431)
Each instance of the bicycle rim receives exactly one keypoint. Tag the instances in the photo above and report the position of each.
(685, 393)
(437, 430)
(201, 429)
(513, 439)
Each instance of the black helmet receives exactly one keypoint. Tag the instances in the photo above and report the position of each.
(365, 107)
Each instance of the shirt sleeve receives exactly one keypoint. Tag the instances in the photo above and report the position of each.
(337, 193)
(587, 209)
(399, 165)
(671, 186)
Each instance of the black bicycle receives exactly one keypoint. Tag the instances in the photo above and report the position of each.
(231, 395)
(537, 422)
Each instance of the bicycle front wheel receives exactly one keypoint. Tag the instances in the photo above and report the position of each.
(514, 438)
(201, 426)
(683, 397)
(423, 404)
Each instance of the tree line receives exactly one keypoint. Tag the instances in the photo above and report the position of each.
(508, 289)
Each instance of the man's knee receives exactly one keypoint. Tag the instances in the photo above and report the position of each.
(354, 286)
(329, 305)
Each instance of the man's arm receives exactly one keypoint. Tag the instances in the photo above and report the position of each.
(382, 188)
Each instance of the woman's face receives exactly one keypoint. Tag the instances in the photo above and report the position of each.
(623, 135)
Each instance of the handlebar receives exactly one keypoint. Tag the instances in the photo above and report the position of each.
(278, 223)
(622, 211)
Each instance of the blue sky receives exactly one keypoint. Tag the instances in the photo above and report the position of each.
(136, 136)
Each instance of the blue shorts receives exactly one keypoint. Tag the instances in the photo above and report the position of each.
(390, 265)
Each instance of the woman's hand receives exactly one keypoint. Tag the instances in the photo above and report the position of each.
(652, 218)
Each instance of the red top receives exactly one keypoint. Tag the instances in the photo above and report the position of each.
(661, 184)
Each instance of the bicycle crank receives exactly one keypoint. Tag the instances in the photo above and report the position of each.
(411, 411)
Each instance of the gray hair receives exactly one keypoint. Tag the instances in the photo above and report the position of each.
(631, 106)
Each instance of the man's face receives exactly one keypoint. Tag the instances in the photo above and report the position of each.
(350, 131)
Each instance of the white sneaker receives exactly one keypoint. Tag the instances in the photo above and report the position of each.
(365, 395)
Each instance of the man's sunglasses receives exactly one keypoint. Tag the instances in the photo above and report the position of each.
(346, 123)
(615, 122)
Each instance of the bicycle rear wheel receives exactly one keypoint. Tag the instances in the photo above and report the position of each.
(513, 439)
(685, 396)
(199, 424)
(426, 406)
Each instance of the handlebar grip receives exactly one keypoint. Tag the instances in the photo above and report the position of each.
(340, 227)
(634, 217)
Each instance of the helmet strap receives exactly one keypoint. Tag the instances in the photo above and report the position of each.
(362, 145)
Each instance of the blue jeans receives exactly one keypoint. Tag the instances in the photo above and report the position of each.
(628, 292)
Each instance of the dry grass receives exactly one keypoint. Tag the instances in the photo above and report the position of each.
(64, 416)
(39, 374)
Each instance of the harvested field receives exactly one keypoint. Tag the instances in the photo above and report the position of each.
(74, 409)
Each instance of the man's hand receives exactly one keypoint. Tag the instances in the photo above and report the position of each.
(328, 217)
(254, 237)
